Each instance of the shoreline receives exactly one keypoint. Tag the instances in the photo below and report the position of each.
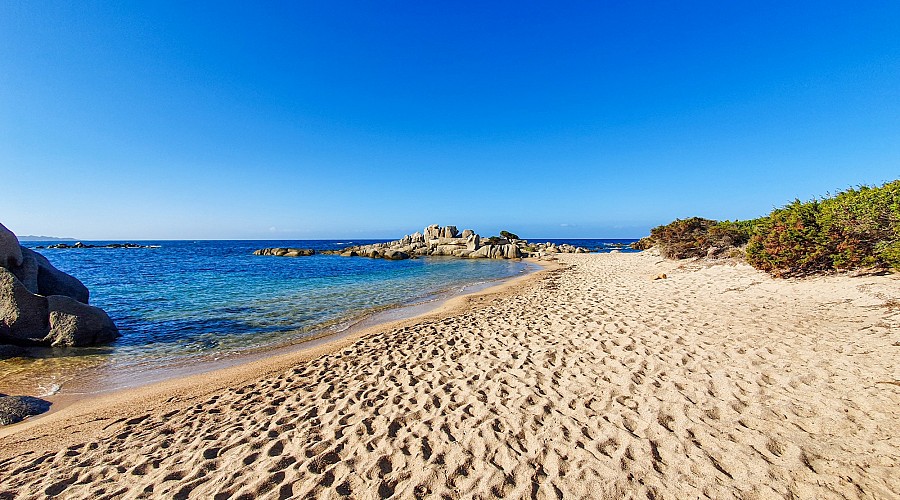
(253, 364)
(95, 379)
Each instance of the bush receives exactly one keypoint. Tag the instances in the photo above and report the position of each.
(788, 242)
(727, 234)
(644, 243)
(508, 235)
(682, 238)
(694, 237)
(863, 227)
(857, 228)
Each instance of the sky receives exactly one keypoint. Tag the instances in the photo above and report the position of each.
(306, 120)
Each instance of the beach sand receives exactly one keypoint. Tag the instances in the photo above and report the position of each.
(590, 380)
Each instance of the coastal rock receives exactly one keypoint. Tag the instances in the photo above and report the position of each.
(39, 276)
(448, 241)
(395, 255)
(27, 272)
(24, 316)
(41, 305)
(73, 323)
(483, 252)
(285, 252)
(17, 408)
(432, 232)
(10, 251)
(52, 281)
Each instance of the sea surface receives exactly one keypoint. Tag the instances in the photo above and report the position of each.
(185, 305)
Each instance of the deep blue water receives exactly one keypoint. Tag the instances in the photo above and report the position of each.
(191, 301)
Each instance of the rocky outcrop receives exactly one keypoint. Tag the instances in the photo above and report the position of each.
(41, 305)
(447, 241)
(286, 252)
(10, 251)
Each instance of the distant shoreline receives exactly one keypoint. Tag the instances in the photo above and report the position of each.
(43, 238)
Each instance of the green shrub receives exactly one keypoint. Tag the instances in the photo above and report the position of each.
(857, 228)
(731, 233)
(685, 238)
(644, 243)
(508, 235)
(788, 241)
(863, 226)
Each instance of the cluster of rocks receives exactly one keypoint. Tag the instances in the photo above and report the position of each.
(449, 241)
(285, 252)
(65, 246)
(41, 305)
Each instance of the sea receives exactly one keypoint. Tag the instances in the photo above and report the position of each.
(190, 306)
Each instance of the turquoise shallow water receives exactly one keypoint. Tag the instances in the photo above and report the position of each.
(191, 302)
(189, 305)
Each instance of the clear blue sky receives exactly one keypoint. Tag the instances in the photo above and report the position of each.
(146, 120)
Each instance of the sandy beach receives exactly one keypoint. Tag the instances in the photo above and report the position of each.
(586, 380)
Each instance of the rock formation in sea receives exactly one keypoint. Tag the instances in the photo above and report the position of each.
(286, 252)
(449, 241)
(41, 305)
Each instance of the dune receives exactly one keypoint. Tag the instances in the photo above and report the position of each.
(586, 380)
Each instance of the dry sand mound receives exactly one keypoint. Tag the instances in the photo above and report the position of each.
(592, 381)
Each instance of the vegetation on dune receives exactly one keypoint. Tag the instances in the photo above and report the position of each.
(855, 229)
(695, 237)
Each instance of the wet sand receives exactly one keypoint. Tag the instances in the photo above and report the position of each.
(586, 381)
